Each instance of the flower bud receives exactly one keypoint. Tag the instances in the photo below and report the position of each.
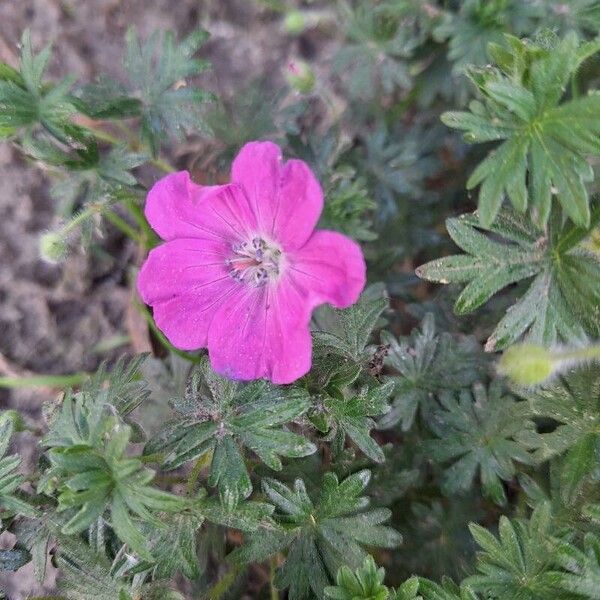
(300, 76)
(527, 364)
(53, 247)
(294, 22)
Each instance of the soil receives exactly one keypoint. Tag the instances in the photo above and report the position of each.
(54, 319)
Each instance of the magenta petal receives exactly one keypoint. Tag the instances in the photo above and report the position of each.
(185, 281)
(263, 334)
(330, 267)
(176, 207)
(286, 198)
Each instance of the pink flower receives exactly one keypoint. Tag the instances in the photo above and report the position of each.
(242, 268)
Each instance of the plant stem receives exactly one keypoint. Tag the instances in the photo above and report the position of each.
(124, 227)
(272, 570)
(202, 462)
(104, 136)
(220, 588)
(589, 353)
(44, 381)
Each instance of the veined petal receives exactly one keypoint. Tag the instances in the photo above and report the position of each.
(330, 267)
(263, 334)
(185, 281)
(176, 207)
(286, 198)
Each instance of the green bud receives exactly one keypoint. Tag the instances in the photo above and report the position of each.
(53, 247)
(295, 22)
(300, 76)
(527, 364)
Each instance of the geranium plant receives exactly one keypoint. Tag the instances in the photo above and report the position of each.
(315, 416)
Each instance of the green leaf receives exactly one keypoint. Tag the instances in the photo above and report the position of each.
(91, 467)
(428, 362)
(364, 583)
(447, 591)
(562, 302)
(10, 479)
(346, 333)
(518, 563)
(158, 69)
(218, 417)
(479, 432)
(582, 576)
(107, 99)
(352, 416)
(548, 140)
(572, 401)
(320, 536)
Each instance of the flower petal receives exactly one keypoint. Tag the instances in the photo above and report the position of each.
(330, 267)
(185, 281)
(176, 207)
(286, 198)
(262, 334)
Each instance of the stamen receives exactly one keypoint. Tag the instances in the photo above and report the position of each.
(255, 262)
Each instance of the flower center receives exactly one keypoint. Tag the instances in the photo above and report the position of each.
(255, 262)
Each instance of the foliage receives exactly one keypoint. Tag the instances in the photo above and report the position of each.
(548, 139)
(218, 416)
(320, 535)
(366, 583)
(572, 402)
(428, 363)
(10, 479)
(478, 432)
(560, 305)
(156, 478)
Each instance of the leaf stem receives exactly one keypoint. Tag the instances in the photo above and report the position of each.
(220, 588)
(272, 571)
(589, 353)
(124, 227)
(104, 136)
(73, 379)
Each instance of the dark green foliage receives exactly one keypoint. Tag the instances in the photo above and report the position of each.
(89, 575)
(516, 565)
(582, 567)
(561, 303)
(478, 433)
(448, 591)
(572, 401)
(547, 139)
(366, 583)
(10, 479)
(341, 338)
(438, 529)
(479, 23)
(427, 363)
(27, 100)
(156, 68)
(353, 417)
(218, 418)
(376, 50)
(91, 469)
(320, 535)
